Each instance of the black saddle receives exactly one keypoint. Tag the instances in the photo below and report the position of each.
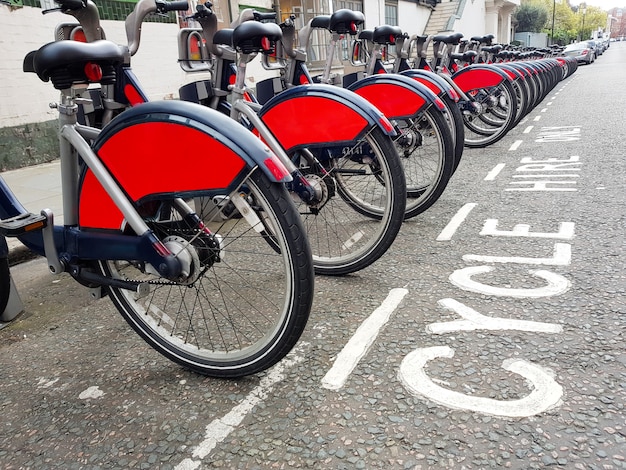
(467, 56)
(486, 39)
(453, 38)
(366, 34)
(252, 36)
(386, 34)
(224, 37)
(345, 21)
(321, 21)
(65, 62)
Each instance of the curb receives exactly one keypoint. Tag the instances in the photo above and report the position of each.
(19, 253)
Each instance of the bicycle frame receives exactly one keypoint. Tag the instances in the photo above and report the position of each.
(341, 116)
(100, 188)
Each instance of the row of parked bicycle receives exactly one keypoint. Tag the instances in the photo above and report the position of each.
(209, 250)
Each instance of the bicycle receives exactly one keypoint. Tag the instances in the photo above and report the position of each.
(356, 206)
(371, 49)
(222, 296)
(487, 98)
(423, 140)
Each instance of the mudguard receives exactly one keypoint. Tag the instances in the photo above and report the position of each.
(432, 81)
(510, 70)
(396, 96)
(172, 149)
(317, 114)
(477, 76)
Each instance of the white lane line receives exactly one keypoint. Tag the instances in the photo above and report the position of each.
(515, 145)
(544, 110)
(455, 222)
(537, 118)
(494, 172)
(220, 428)
(528, 129)
(361, 341)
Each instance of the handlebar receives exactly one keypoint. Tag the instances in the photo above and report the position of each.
(142, 9)
(68, 5)
(165, 7)
(258, 16)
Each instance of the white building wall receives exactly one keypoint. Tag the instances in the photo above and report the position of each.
(374, 12)
(472, 21)
(24, 98)
(412, 18)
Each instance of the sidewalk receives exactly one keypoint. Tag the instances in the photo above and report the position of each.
(36, 187)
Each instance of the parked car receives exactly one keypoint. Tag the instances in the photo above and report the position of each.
(597, 46)
(582, 51)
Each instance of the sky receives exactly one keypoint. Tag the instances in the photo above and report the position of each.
(603, 4)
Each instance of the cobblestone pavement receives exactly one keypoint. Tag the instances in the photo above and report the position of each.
(499, 343)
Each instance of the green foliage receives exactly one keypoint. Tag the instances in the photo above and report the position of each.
(563, 23)
(531, 17)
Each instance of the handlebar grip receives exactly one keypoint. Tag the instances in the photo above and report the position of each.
(258, 16)
(178, 5)
(71, 4)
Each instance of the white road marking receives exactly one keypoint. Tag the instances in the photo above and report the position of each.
(537, 118)
(455, 222)
(490, 228)
(562, 257)
(474, 320)
(556, 284)
(547, 176)
(546, 392)
(528, 129)
(494, 172)
(220, 428)
(515, 145)
(361, 341)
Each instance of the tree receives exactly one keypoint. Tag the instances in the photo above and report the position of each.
(594, 19)
(531, 17)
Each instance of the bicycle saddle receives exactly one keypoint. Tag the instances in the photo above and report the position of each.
(65, 62)
(492, 49)
(484, 39)
(386, 34)
(224, 37)
(321, 21)
(453, 38)
(366, 34)
(252, 36)
(345, 21)
(467, 56)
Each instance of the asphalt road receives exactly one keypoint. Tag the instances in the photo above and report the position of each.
(490, 335)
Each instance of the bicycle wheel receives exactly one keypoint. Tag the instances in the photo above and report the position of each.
(360, 206)
(496, 117)
(454, 119)
(248, 288)
(5, 284)
(426, 148)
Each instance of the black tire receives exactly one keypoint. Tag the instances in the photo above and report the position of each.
(362, 204)
(236, 315)
(497, 116)
(426, 148)
(5, 284)
(458, 129)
